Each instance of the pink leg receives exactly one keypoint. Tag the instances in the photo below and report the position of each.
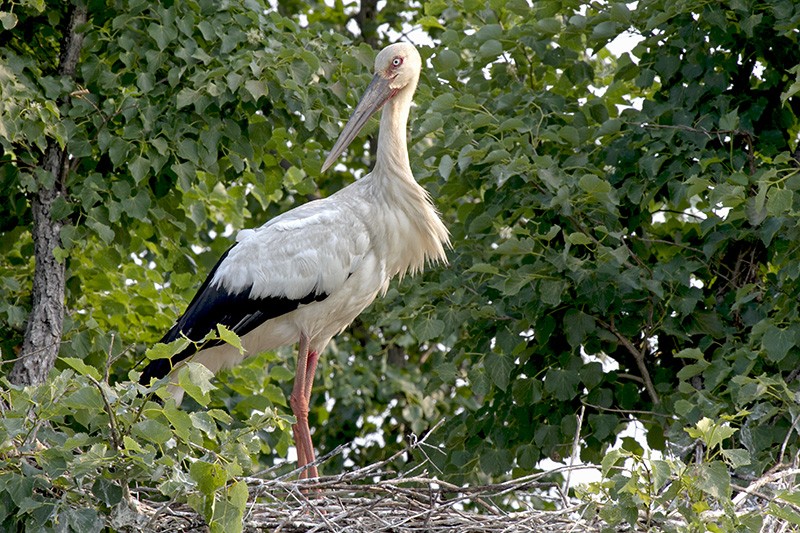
(311, 368)
(299, 401)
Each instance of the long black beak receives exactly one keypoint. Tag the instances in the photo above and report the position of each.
(378, 93)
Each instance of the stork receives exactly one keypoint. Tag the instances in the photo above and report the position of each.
(305, 275)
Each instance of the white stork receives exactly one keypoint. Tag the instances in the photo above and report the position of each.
(306, 274)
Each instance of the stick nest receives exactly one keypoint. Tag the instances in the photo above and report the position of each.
(377, 501)
(372, 499)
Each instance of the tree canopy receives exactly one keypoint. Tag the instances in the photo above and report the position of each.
(624, 229)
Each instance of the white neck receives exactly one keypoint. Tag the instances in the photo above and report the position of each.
(392, 154)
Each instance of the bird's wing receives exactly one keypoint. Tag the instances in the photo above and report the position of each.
(310, 249)
(297, 258)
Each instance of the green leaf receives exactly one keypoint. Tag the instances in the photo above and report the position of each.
(779, 201)
(165, 351)
(714, 479)
(793, 90)
(229, 509)
(591, 374)
(82, 368)
(281, 373)
(139, 168)
(790, 497)
(152, 431)
(667, 65)
(548, 26)
(427, 329)
(578, 325)
(570, 135)
(185, 97)
(209, 477)
(527, 456)
(445, 166)
(8, 19)
(610, 126)
(179, 419)
(710, 432)
(204, 422)
(131, 445)
(787, 514)
(88, 398)
(495, 462)
(429, 22)
(81, 519)
(444, 102)
(690, 353)
(107, 491)
(195, 379)
(605, 31)
(736, 457)
(229, 337)
(777, 342)
(484, 268)
(104, 231)
(499, 368)
(445, 60)
(446, 371)
(611, 459)
(729, 121)
(620, 12)
(489, 31)
(550, 291)
(661, 473)
(526, 391)
(61, 208)
(690, 371)
(593, 184)
(563, 384)
(490, 49)
(579, 238)
(256, 88)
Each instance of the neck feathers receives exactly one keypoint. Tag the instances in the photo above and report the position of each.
(392, 153)
(419, 223)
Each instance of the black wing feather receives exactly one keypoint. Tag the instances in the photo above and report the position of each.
(214, 305)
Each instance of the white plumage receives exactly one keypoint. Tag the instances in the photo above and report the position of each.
(306, 274)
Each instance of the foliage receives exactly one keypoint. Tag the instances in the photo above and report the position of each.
(661, 494)
(624, 229)
(74, 447)
(627, 259)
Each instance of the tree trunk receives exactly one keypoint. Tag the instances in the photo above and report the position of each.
(367, 20)
(43, 330)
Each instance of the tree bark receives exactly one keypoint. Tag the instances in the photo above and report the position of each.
(367, 20)
(45, 322)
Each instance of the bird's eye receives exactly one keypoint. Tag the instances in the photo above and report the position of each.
(397, 61)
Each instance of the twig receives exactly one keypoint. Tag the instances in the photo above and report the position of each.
(754, 487)
(638, 356)
(788, 436)
(576, 450)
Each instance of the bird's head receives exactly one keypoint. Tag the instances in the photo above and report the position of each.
(397, 69)
(399, 64)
